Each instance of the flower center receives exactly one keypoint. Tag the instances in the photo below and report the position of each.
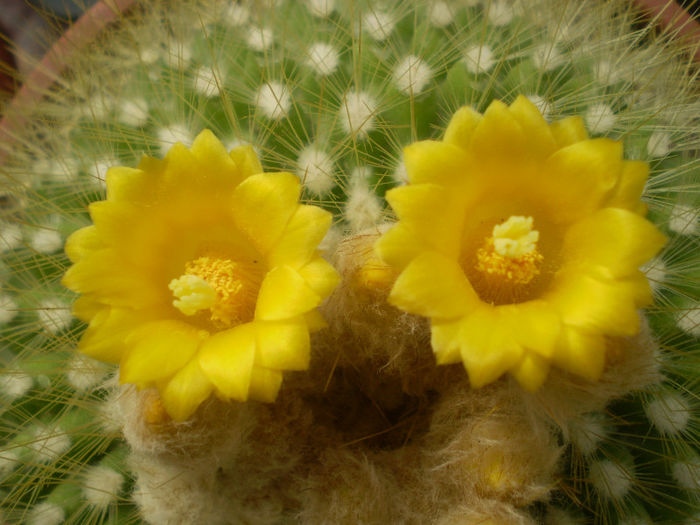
(225, 289)
(510, 254)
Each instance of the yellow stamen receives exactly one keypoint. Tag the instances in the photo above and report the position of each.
(227, 288)
(511, 252)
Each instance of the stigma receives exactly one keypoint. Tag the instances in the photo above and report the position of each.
(224, 289)
(511, 254)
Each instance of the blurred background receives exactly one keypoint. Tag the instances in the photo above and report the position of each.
(28, 27)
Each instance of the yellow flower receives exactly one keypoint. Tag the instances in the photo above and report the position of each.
(521, 241)
(201, 274)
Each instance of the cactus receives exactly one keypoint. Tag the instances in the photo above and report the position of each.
(332, 91)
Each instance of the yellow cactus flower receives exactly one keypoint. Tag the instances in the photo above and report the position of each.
(201, 274)
(521, 241)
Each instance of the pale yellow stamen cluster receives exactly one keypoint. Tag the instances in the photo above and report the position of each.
(228, 289)
(511, 252)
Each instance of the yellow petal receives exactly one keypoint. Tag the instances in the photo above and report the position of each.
(576, 179)
(433, 286)
(488, 350)
(157, 350)
(264, 384)
(104, 337)
(444, 338)
(539, 138)
(433, 212)
(435, 162)
(499, 139)
(617, 239)
(282, 345)
(568, 131)
(534, 324)
(216, 167)
(630, 187)
(284, 294)
(86, 307)
(129, 185)
(126, 288)
(594, 305)
(531, 371)
(320, 275)
(187, 389)
(246, 160)
(301, 237)
(461, 127)
(81, 242)
(262, 206)
(400, 245)
(227, 360)
(580, 353)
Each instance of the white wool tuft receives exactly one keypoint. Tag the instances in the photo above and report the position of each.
(47, 241)
(169, 136)
(323, 58)
(357, 113)
(102, 486)
(46, 513)
(683, 219)
(479, 59)
(315, 170)
(412, 74)
(133, 112)
(378, 24)
(611, 480)
(273, 100)
(599, 118)
(669, 414)
(54, 315)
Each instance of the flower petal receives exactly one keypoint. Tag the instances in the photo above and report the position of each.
(568, 131)
(433, 212)
(246, 160)
(320, 275)
(538, 136)
(488, 349)
(433, 285)
(630, 188)
(499, 139)
(435, 162)
(531, 371)
(580, 353)
(104, 337)
(400, 245)
(534, 324)
(127, 288)
(576, 179)
(301, 237)
(262, 206)
(129, 185)
(617, 239)
(594, 305)
(314, 321)
(227, 360)
(82, 242)
(461, 127)
(282, 345)
(185, 391)
(284, 294)
(157, 350)
(264, 384)
(444, 338)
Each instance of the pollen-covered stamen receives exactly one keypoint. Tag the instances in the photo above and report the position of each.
(227, 288)
(511, 251)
